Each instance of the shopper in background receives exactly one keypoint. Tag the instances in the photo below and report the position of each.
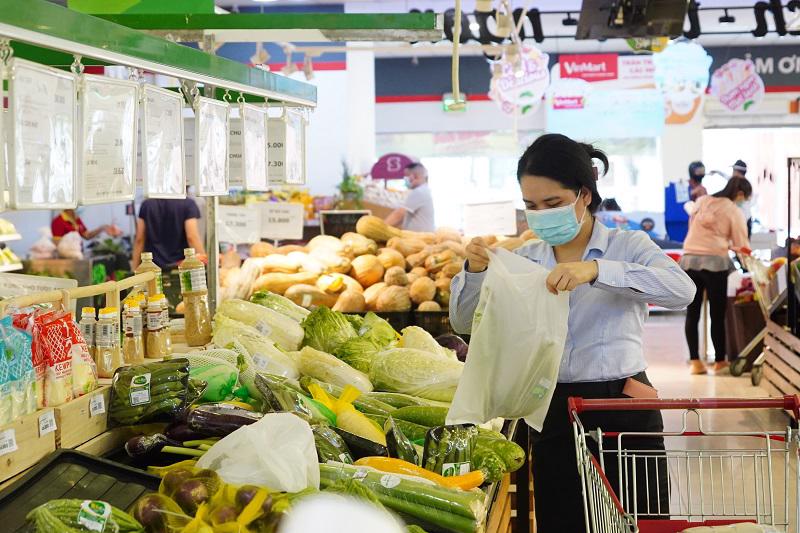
(417, 212)
(715, 227)
(612, 276)
(69, 220)
(740, 171)
(166, 228)
(697, 171)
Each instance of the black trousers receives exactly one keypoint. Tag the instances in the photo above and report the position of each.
(556, 483)
(715, 285)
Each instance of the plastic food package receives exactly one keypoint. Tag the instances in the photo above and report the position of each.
(286, 332)
(291, 464)
(220, 377)
(18, 396)
(265, 355)
(149, 392)
(519, 346)
(82, 515)
(330, 446)
(70, 246)
(327, 368)
(423, 374)
(44, 248)
(69, 362)
(449, 449)
(398, 444)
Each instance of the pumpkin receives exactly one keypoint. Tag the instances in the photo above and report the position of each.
(406, 246)
(359, 244)
(412, 277)
(261, 249)
(436, 262)
(367, 270)
(418, 259)
(279, 263)
(278, 282)
(390, 257)
(448, 234)
(422, 290)
(456, 247)
(393, 299)
(307, 262)
(419, 271)
(332, 261)
(336, 283)
(286, 249)
(443, 291)
(429, 307)
(309, 295)
(376, 229)
(451, 269)
(329, 242)
(396, 276)
(371, 295)
(350, 302)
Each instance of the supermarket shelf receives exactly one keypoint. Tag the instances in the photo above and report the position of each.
(10, 237)
(11, 268)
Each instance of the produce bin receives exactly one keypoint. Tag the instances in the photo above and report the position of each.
(434, 322)
(82, 419)
(25, 441)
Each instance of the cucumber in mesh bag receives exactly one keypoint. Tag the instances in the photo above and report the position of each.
(220, 375)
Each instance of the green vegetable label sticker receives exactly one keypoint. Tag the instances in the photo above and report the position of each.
(455, 469)
(345, 458)
(140, 389)
(541, 388)
(389, 481)
(94, 515)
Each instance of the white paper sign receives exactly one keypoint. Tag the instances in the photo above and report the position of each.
(287, 149)
(490, 218)
(211, 147)
(20, 284)
(238, 224)
(108, 147)
(235, 172)
(254, 147)
(282, 221)
(8, 441)
(162, 144)
(42, 151)
(276, 151)
(47, 423)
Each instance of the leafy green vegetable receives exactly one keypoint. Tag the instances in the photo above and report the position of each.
(378, 329)
(282, 330)
(356, 320)
(326, 330)
(359, 352)
(415, 372)
(278, 303)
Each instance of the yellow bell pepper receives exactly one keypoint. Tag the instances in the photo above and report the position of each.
(466, 481)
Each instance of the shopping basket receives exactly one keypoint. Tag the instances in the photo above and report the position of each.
(753, 477)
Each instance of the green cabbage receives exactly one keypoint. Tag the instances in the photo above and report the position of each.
(281, 304)
(415, 372)
(417, 338)
(327, 368)
(326, 330)
(379, 329)
(375, 335)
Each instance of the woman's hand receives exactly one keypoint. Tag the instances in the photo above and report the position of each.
(477, 255)
(568, 276)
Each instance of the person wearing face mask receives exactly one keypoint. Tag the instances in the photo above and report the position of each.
(697, 171)
(69, 220)
(740, 171)
(611, 275)
(716, 227)
(417, 211)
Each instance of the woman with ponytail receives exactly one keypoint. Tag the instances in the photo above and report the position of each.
(611, 275)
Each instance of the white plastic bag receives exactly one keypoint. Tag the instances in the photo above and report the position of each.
(44, 247)
(277, 452)
(518, 335)
(71, 246)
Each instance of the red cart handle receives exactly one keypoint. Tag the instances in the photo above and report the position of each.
(577, 405)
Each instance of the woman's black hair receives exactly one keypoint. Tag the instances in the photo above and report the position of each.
(568, 162)
(693, 166)
(734, 187)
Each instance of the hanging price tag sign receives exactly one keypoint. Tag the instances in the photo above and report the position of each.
(162, 144)
(287, 149)
(235, 172)
(238, 225)
(211, 147)
(282, 221)
(253, 140)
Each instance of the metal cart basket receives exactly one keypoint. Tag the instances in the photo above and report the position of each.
(751, 477)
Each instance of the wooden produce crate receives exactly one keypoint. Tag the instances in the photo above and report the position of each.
(83, 418)
(782, 361)
(499, 518)
(25, 441)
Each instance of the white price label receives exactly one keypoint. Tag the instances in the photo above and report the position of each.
(8, 441)
(238, 225)
(260, 362)
(263, 328)
(282, 221)
(47, 423)
(490, 218)
(97, 405)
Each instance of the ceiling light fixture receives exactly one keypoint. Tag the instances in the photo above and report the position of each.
(726, 18)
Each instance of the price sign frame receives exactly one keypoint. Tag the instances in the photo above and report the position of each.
(212, 123)
(248, 230)
(235, 170)
(291, 230)
(255, 162)
(12, 285)
(126, 134)
(287, 134)
(471, 227)
(168, 99)
(17, 94)
(323, 215)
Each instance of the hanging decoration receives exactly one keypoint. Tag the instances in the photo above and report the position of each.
(520, 79)
(737, 85)
(647, 45)
(682, 74)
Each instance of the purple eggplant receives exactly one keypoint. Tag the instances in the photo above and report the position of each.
(455, 343)
(180, 431)
(144, 445)
(213, 420)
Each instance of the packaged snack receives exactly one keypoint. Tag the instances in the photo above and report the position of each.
(17, 347)
(58, 360)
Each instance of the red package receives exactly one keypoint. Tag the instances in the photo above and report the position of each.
(38, 351)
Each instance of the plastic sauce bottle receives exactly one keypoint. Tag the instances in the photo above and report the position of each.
(165, 328)
(147, 265)
(192, 273)
(132, 344)
(108, 354)
(156, 347)
(88, 324)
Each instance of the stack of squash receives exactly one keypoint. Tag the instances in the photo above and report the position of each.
(378, 268)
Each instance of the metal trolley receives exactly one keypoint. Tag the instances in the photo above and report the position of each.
(751, 477)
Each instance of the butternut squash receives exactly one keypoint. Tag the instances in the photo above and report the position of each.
(406, 246)
(419, 271)
(412, 277)
(307, 262)
(371, 295)
(418, 259)
(448, 234)
(422, 290)
(329, 242)
(456, 247)
(332, 261)
(396, 276)
(350, 302)
(452, 268)
(308, 296)
(337, 283)
(279, 263)
(428, 238)
(429, 307)
(278, 283)
(286, 249)
(261, 249)
(359, 244)
(390, 257)
(436, 262)
(393, 299)
(376, 229)
(367, 270)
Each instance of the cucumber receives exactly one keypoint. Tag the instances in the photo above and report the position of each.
(411, 430)
(396, 399)
(64, 513)
(512, 455)
(492, 465)
(424, 416)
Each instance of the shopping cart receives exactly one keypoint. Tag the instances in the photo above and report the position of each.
(753, 479)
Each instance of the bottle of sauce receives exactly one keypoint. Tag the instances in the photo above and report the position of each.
(197, 317)
(162, 300)
(132, 344)
(88, 324)
(108, 354)
(147, 265)
(156, 347)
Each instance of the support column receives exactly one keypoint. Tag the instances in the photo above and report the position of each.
(360, 109)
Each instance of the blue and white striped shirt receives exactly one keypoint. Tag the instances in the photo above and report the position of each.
(606, 318)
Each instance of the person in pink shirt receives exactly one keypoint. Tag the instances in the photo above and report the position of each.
(716, 227)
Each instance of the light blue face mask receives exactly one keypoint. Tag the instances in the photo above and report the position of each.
(555, 226)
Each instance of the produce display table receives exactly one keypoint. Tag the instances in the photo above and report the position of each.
(781, 362)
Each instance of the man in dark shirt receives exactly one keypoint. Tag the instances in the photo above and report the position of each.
(165, 228)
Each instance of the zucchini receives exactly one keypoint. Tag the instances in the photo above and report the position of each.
(490, 463)
(411, 430)
(360, 447)
(511, 453)
(424, 416)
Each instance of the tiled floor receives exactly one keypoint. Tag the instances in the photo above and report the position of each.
(667, 356)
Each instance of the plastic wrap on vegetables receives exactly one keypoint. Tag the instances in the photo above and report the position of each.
(19, 396)
(219, 420)
(219, 375)
(326, 330)
(265, 355)
(82, 515)
(281, 304)
(149, 392)
(415, 372)
(449, 449)
(327, 368)
(285, 331)
(364, 403)
(398, 444)
(281, 395)
(330, 445)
